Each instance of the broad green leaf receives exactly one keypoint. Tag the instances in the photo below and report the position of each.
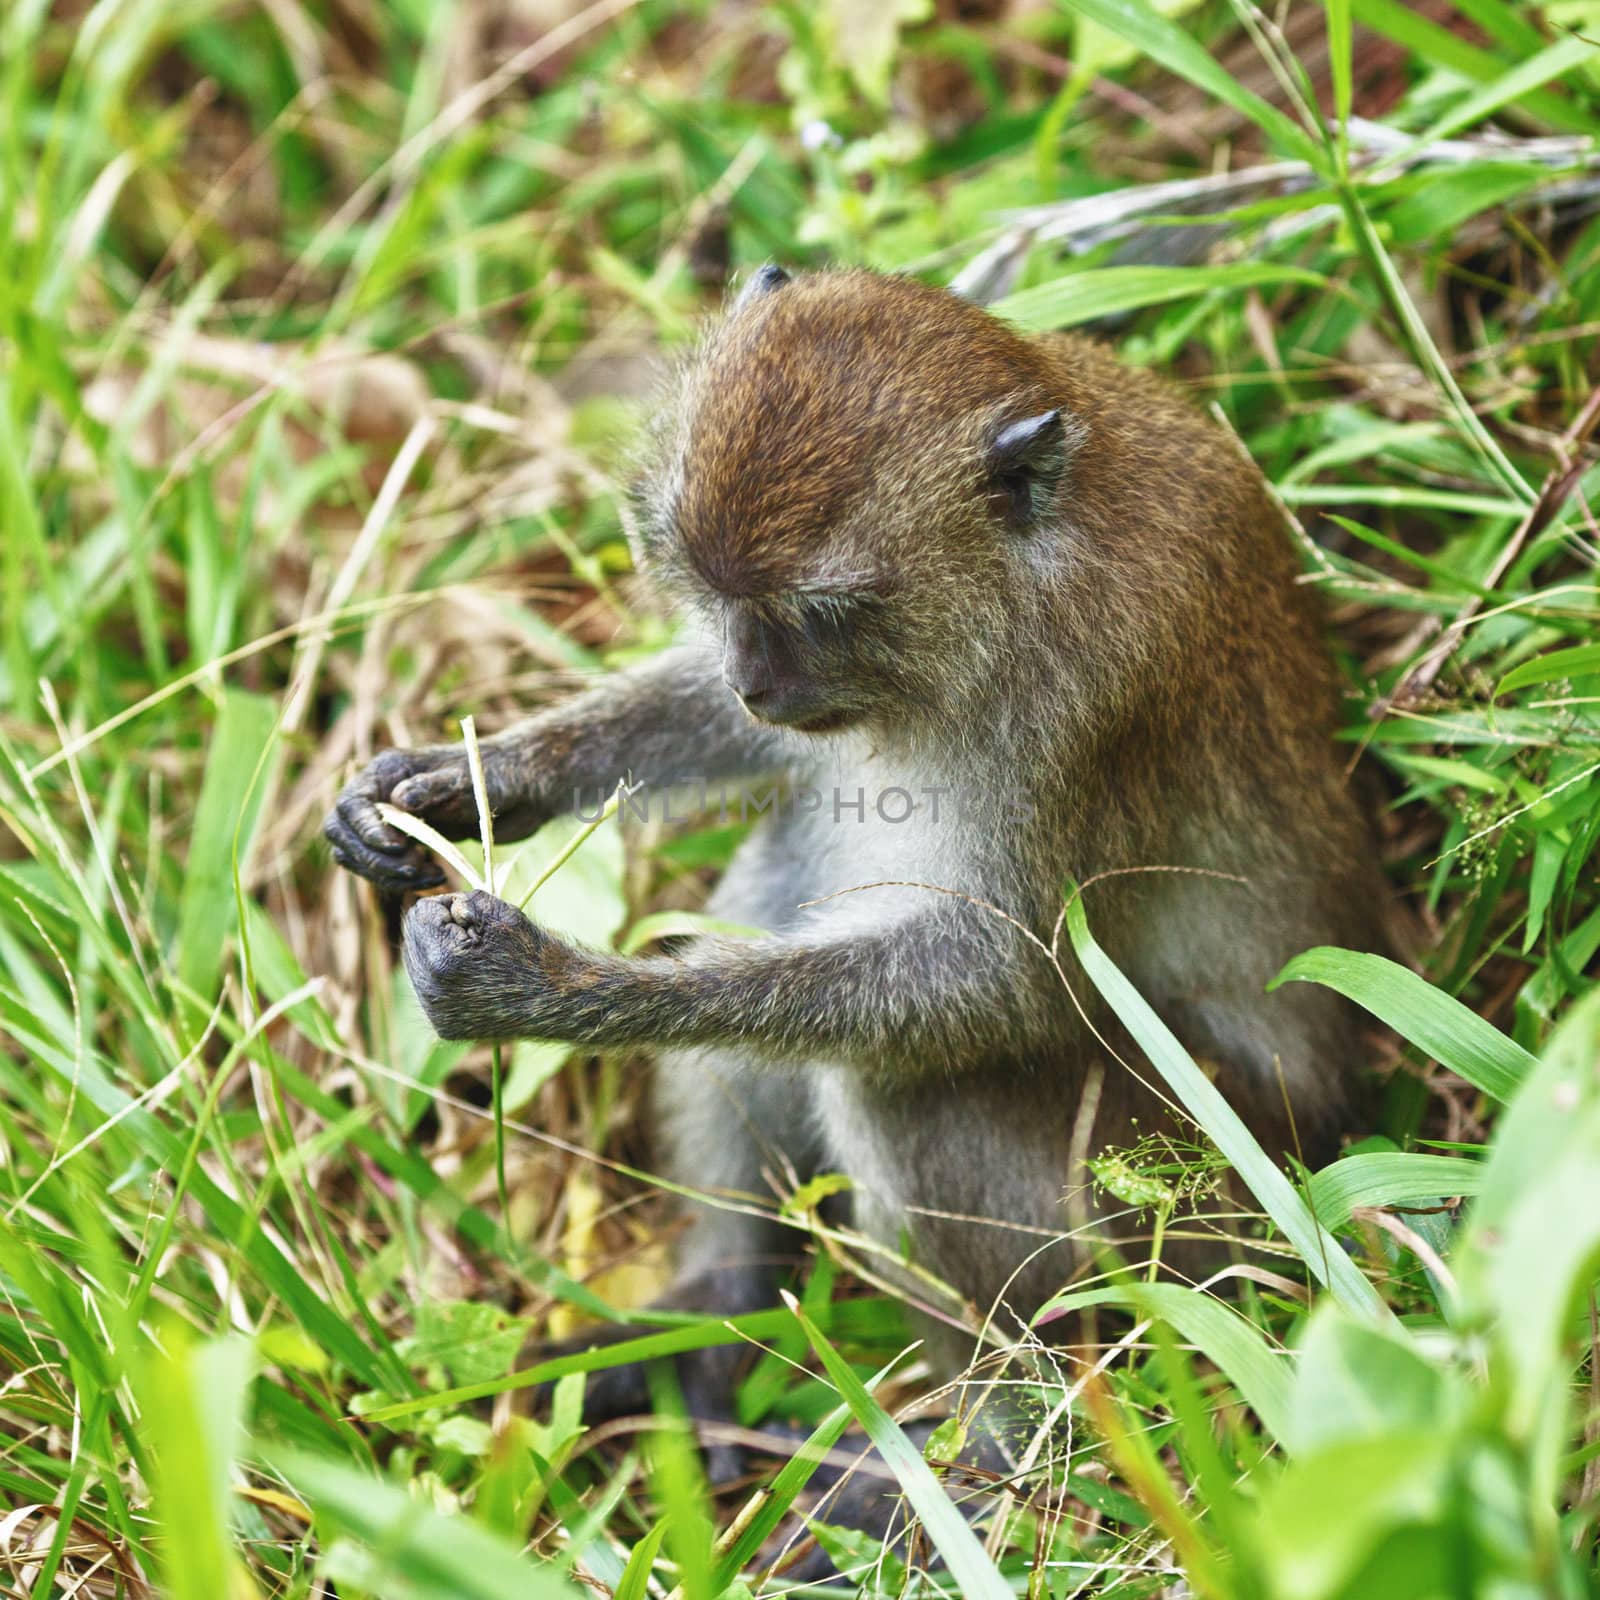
(1437, 1024)
(534, 1062)
(681, 924)
(1098, 292)
(584, 898)
(1327, 1515)
(1389, 1178)
(1535, 1233)
(1354, 1381)
(1318, 1248)
(193, 1403)
(1575, 662)
(472, 1340)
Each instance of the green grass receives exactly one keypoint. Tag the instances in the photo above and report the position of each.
(322, 333)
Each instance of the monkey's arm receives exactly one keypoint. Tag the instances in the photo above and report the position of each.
(666, 721)
(926, 991)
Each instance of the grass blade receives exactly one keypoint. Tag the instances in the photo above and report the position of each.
(977, 1577)
(1437, 1024)
(1107, 291)
(1234, 1346)
(206, 916)
(1203, 1101)
(1164, 41)
(1388, 1178)
(417, 1550)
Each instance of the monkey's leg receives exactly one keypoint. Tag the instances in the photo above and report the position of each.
(730, 1132)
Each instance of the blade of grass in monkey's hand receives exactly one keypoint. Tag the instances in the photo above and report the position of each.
(430, 839)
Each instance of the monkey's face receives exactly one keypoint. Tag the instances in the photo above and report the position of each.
(797, 661)
(843, 490)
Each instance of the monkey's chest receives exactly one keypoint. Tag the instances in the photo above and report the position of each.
(841, 827)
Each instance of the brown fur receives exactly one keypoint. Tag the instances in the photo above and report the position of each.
(1116, 632)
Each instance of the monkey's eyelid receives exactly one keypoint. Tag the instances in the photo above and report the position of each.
(842, 593)
(810, 609)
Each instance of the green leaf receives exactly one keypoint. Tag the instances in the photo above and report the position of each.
(1339, 59)
(1098, 292)
(976, 1576)
(781, 1493)
(472, 1340)
(1236, 1347)
(1439, 47)
(1437, 203)
(678, 1487)
(1175, 48)
(698, 1335)
(1387, 1178)
(635, 1583)
(1566, 54)
(1320, 1523)
(682, 924)
(246, 727)
(1204, 1102)
(1535, 1236)
(1437, 1024)
(415, 1549)
(1355, 1381)
(1553, 667)
(194, 1399)
(865, 34)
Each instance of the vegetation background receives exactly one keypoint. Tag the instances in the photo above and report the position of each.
(323, 326)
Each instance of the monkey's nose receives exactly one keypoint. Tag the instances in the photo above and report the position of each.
(750, 684)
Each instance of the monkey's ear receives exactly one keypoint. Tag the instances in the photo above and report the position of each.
(1025, 460)
(763, 282)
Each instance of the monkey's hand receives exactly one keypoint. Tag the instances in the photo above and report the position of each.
(435, 784)
(482, 970)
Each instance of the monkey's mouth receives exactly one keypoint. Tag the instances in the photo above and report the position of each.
(803, 713)
(828, 722)
(815, 721)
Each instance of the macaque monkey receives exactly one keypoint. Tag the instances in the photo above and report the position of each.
(1014, 616)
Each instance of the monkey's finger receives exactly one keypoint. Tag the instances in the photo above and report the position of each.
(338, 830)
(360, 817)
(435, 914)
(427, 792)
(394, 873)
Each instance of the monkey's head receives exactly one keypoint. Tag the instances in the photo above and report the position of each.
(857, 484)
